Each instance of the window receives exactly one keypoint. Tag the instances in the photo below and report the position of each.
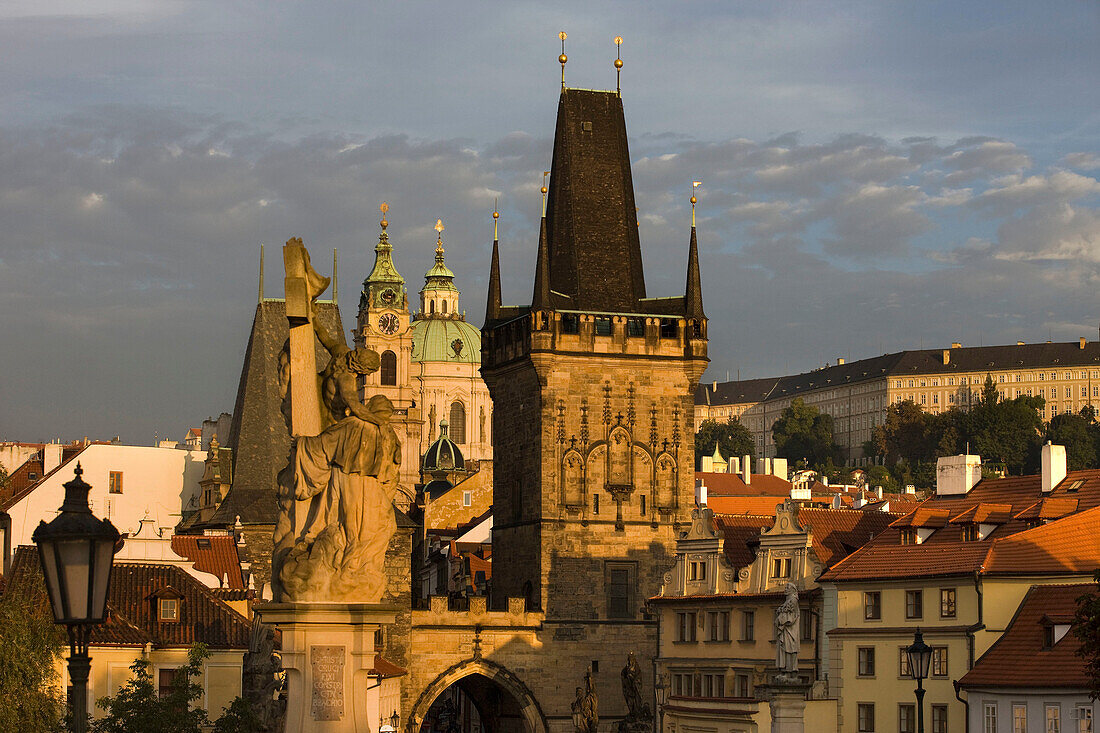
(989, 718)
(743, 685)
(697, 570)
(618, 591)
(748, 620)
(387, 368)
(458, 422)
(165, 678)
(866, 656)
(719, 622)
(682, 684)
(168, 609)
(685, 626)
(1048, 636)
(947, 603)
(939, 661)
(939, 719)
(714, 685)
(595, 503)
(908, 536)
(1054, 719)
(467, 498)
(1084, 719)
(865, 712)
(903, 663)
(806, 624)
(907, 718)
(914, 604)
(603, 326)
(781, 567)
(1019, 718)
(114, 482)
(443, 306)
(970, 533)
(641, 497)
(872, 605)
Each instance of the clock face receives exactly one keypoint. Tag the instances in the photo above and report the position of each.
(388, 296)
(388, 324)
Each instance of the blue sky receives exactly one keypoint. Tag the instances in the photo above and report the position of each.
(877, 176)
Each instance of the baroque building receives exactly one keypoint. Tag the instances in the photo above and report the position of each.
(429, 359)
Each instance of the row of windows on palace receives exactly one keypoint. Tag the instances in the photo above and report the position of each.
(1081, 722)
(456, 420)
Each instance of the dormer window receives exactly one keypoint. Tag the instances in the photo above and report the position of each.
(781, 567)
(697, 570)
(168, 609)
(970, 533)
(909, 536)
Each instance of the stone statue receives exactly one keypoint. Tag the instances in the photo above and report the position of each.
(639, 718)
(481, 425)
(787, 633)
(431, 424)
(588, 704)
(335, 496)
(262, 677)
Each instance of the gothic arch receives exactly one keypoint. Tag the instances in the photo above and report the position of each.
(533, 717)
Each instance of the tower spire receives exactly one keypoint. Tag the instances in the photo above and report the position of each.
(693, 291)
(540, 300)
(492, 306)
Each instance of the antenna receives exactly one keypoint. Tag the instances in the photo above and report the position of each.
(563, 58)
(618, 62)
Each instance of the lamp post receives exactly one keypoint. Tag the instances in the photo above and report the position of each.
(920, 659)
(660, 687)
(391, 726)
(76, 551)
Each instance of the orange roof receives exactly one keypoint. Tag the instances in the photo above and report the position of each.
(382, 667)
(752, 505)
(1019, 659)
(945, 552)
(216, 554)
(1069, 545)
(984, 513)
(1051, 507)
(925, 517)
(731, 484)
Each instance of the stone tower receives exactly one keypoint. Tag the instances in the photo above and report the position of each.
(592, 386)
(385, 325)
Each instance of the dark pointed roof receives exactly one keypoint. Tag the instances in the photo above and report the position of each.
(693, 292)
(595, 259)
(492, 306)
(258, 435)
(540, 299)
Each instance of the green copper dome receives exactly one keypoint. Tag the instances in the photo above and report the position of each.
(446, 339)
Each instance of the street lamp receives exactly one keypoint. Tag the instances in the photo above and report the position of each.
(660, 686)
(390, 727)
(920, 659)
(76, 551)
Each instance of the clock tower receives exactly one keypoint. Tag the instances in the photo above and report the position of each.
(384, 325)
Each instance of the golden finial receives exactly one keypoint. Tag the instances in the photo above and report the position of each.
(618, 61)
(384, 208)
(496, 217)
(563, 58)
(694, 185)
(544, 189)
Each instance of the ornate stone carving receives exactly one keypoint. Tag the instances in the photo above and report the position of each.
(787, 635)
(639, 718)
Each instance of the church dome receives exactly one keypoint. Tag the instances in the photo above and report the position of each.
(446, 339)
(443, 454)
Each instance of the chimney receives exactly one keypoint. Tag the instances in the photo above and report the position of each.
(838, 503)
(840, 361)
(1019, 343)
(746, 469)
(878, 492)
(1054, 466)
(946, 357)
(51, 457)
(956, 475)
(706, 464)
(734, 465)
(1081, 343)
(956, 345)
(779, 468)
(715, 385)
(701, 493)
(763, 466)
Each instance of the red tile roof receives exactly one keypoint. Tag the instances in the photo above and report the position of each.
(741, 533)
(214, 554)
(1018, 658)
(984, 513)
(945, 552)
(131, 603)
(382, 667)
(731, 484)
(925, 517)
(1069, 545)
(1054, 507)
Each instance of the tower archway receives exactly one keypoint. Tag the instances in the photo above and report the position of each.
(476, 696)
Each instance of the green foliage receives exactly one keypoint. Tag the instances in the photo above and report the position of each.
(138, 708)
(239, 717)
(1078, 436)
(1087, 628)
(733, 439)
(880, 476)
(30, 647)
(1007, 431)
(905, 435)
(804, 436)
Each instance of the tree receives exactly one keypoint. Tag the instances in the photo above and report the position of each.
(30, 648)
(239, 717)
(904, 435)
(733, 439)
(1073, 431)
(804, 433)
(1007, 431)
(1086, 626)
(138, 708)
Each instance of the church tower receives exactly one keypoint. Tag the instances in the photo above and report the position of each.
(592, 386)
(385, 325)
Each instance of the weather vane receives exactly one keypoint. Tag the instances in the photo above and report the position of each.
(544, 175)
(618, 62)
(694, 185)
(496, 217)
(384, 208)
(563, 58)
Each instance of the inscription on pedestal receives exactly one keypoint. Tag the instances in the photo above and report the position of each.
(327, 663)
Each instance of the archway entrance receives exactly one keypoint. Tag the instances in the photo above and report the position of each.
(477, 697)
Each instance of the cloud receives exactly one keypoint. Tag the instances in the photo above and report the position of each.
(1082, 161)
(986, 158)
(875, 221)
(1012, 192)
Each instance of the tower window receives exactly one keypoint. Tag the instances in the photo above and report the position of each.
(458, 422)
(443, 306)
(431, 307)
(387, 369)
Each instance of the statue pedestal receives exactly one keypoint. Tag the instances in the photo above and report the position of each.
(787, 699)
(327, 652)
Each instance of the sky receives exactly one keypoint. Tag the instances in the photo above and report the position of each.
(876, 176)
